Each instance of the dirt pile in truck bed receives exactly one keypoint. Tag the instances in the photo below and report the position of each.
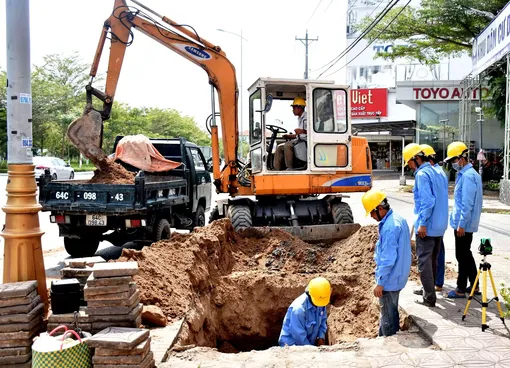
(113, 174)
(234, 289)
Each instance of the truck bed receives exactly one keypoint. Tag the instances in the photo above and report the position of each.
(147, 193)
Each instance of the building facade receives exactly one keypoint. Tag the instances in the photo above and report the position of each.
(422, 102)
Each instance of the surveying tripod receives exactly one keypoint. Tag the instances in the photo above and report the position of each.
(484, 249)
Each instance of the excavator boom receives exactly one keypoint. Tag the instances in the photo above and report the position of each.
(87, 131)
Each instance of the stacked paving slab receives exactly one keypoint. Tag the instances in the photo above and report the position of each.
(112, 297)
(21, 318)
(117, 347)
(80, 269)
(68, 320)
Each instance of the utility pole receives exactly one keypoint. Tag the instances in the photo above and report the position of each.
(307, 41)
(23, 257)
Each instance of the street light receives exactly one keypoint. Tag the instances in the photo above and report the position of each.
(241, 72)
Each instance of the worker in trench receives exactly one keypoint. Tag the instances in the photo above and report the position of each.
(306, 320)
(392, 258)
(431, 219)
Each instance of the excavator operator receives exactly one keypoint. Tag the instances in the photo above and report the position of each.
(284, 157)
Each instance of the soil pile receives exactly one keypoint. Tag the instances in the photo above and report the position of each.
(114, 173)
(234, 289)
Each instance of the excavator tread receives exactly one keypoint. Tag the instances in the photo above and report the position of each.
(342, 213)
(240, 216)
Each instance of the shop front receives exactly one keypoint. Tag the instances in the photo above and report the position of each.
(437, 116)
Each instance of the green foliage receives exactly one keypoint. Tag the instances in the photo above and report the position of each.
(505, 294)
(58, 96)
(438, 29)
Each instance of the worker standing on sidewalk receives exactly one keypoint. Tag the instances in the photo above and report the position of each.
(465, 216)
(441, 262)
(305, 321)
(431, 211)
(392, 258)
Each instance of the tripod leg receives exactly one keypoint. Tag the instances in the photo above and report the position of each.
(484, 300)
(496, 297)
(471, 294)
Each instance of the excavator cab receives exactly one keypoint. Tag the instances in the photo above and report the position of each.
(326, 146)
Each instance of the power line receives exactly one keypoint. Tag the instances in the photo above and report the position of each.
(346, 17)
(369, 28)
(371, 42)
(311, 16)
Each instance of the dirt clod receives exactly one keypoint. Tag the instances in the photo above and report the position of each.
(113, 173)
(153, 316)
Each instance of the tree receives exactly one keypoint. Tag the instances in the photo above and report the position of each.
(440, 29)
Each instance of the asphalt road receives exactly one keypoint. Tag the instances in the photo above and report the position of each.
(492, 226)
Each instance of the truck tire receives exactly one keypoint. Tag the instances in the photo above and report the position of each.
(342, 213)
(215, 214)
(199, 220)
(162, 230)
(79, 248)
(240, 216)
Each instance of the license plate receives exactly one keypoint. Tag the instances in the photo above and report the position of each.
(96, 220)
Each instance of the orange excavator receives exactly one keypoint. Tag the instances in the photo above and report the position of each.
(305, 197)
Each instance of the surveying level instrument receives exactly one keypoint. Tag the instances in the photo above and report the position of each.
(484, 249)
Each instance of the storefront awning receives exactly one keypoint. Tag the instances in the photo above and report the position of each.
(396, 128)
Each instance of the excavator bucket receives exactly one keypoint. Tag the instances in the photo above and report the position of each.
(313, 234)
(85, 134)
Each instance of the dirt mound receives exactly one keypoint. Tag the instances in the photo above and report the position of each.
(113, 174)
(234, 289)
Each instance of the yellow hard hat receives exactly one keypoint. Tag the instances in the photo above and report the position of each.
(299, 101)
(411, 150)
(455, 149)
(372, 199)
(319, 290)
(428, 150)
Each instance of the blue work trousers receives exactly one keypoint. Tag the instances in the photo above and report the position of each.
(389, 323)
(440, 266)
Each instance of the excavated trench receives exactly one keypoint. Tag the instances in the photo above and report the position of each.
(233, 290)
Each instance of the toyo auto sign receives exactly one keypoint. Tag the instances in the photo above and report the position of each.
(443, 93)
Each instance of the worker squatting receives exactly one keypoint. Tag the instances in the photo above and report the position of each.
(305, 322)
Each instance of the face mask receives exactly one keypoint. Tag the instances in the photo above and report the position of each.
(456, 166)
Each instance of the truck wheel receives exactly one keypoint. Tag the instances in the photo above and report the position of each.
(163, 230)
(78, 248)
(199, 220)
(342, 213)
(240, 216)
(215, 214)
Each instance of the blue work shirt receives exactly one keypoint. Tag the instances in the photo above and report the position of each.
(393, 252)
(431, 200)
(467, 200)
(303, 323)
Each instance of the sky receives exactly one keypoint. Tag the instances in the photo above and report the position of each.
(155, 76)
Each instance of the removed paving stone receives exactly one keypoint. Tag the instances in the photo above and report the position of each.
(21, 318)
(110, 281)
(113, 305)
(68, 320)
(83, 262)
(117, 269)
(126, 348)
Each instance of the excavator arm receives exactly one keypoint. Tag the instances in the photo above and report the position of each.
(86, 132)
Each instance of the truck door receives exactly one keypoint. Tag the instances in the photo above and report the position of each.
(329, 122)
(202, 187)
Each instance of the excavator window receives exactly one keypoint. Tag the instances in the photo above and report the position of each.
(255, 117)
(330, 108)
